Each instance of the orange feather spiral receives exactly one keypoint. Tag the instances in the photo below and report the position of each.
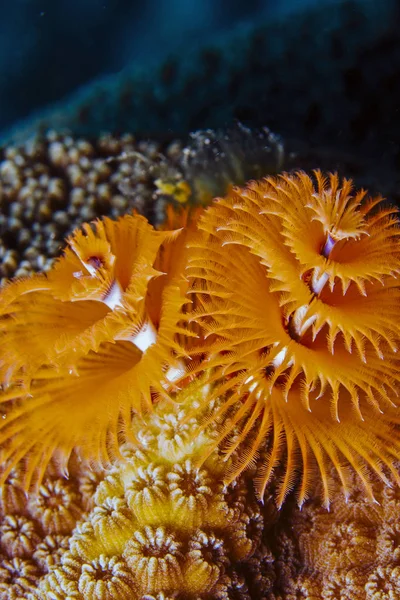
(297, 294)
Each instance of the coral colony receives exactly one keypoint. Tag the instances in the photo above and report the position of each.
(164, 391)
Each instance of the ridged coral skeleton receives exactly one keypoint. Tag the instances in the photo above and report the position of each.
(267, 340)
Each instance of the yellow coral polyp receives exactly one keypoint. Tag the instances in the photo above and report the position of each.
(384, 581)
(205, 563)
(49, 552)
(146, 494)
(18, 536)
(85, 545)
(57, 506)
(17, 578)
(112, 523)
(154, 556)
(106, 579)
(191, 495)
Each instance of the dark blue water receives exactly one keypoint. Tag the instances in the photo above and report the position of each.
(50, 47)
(326, 71)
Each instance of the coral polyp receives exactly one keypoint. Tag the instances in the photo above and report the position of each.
(296, 287)
(160, 527)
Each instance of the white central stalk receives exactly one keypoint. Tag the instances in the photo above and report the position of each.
(146, 337)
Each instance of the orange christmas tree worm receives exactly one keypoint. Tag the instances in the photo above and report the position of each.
(86, 345)
(297, 292)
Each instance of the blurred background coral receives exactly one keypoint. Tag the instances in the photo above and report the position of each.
(324, 71)
(48, 49)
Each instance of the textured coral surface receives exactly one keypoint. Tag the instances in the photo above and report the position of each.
(155, 525)
(248, 550)
(51, 184)
(160, 525)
